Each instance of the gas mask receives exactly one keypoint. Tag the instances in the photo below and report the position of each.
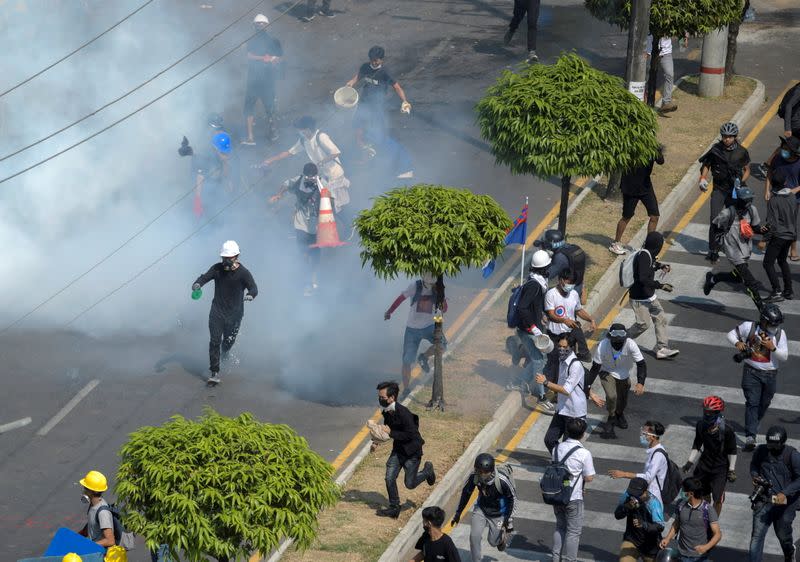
(227, 263)
(617, 338)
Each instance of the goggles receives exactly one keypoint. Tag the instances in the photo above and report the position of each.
(618, 334)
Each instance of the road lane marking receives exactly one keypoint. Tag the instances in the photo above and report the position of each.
(15, 424)
(68, 407)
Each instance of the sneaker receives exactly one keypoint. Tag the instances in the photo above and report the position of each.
(423, 363)
(775, 296)
(308, 18)
(621, 422)
(501, 546)
(327, 13)
(545, 407)
(532, 57)
(666, 353)
(507, 38)
(431, 479)
(213, 380)
(391, 511)
(709, 284)
(787, 295)
(617, 248)
(405, 175)
(668, 107)
(247, 142)
(749, 443)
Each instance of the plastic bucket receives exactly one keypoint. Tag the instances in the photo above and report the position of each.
(345, 97)
(543, 343)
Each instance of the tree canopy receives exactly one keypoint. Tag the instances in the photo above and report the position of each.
(566, 119)
(223, 487)
(430, 228)
(670, 18)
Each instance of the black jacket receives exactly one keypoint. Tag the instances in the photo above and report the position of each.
(650, 517)
(491, 501)
(531, 306)
(404, 426)
(791, 116)
(645, 267)
(229, 287)
(782, 471)
(782, 215)
(726, 165)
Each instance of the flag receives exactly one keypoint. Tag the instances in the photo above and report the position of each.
(516, 235)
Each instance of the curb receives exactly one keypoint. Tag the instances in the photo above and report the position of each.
(607, 285)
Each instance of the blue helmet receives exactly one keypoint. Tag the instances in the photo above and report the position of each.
(222, 142)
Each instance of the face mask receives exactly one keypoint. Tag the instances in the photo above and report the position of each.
(563, 353)
(785, 154)
(710, 418)
(375, 66)
(617, 344)
(310, 183)
(384, 402)
(84, 498)
(643, 441)
(227, 263)
(485, 478)
(772, 328)
(775, 451)
(683, 496)
(568, 287)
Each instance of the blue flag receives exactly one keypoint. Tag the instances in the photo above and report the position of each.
(516, 235)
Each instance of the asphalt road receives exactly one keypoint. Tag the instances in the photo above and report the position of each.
(298, 366)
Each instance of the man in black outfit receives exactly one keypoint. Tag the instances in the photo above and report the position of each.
(403, 428)
(531, 8)
(264, 54)
(434, 545)
(231, 279)
(782, 221)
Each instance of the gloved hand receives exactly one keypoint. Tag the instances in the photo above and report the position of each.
(248, 297)
(667, 287)
(703, 185)
(731, 476)
(455, 520)
(195, 286)
(688, 466)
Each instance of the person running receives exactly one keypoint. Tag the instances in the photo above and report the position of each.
(655, 465)
(696, 525)
(645, 304)
(614, 360)
(522, 8)
(782, 221)
(434, 545)
(264, 54)
(729, 164)
(562, 304)
(420, 324)
(713, 454)
(736, 225)
(231, 280)
(637, 186)
(494, 507)
(644, 521)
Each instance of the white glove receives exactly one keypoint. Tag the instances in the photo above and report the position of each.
(405, 107)
(248, 297)
(703, 184)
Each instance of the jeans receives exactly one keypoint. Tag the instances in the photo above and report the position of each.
(412, 477)
(567, 536)
(557, 428)
(647, 312)
(522, 7)
(536, 364)
(778, 251)
(719, 200)
(669, 76)
(780, 517)
(477, 523)
(759, 387)
(223, 329)
(616, 393)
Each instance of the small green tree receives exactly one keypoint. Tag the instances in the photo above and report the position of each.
(431, 229)
(222, 487)
(566, 119)
(669, 18)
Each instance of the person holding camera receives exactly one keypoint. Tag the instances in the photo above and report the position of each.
(696, 525)
(644, 522)
(759, 346)
(775, 469)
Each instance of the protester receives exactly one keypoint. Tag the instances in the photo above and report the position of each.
(569, 517)
(775, 470)
(565, 256)
(636, 186)
(420, 324)
(99, 526)
(782, 221)
(434, 545)
(614, 360)
(646, 307)
(521, 9)
(655, 465)
(759, 345)
(231, 280)
(644, 521)
(696, 525)
(784, 163)
(403, 428)
(494, 507)
(713, 452)
(791, 113)
(667, 69)
(311, 10)
(264, 54)
(562, 304)
(729, 164)
(213, 172)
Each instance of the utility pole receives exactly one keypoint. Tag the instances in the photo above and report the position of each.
(712, 67)
(636, 67)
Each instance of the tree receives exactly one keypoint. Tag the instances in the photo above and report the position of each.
(565, 120)
(431, 229)
(669, 18)
(222, 487)
(733, 37)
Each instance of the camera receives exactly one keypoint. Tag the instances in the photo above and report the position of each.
(742, 355)
(760, 492)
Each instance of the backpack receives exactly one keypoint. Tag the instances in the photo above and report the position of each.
(671, 486)
(787, 95)
(501, 468)
(512, 316)
(626, 273)
(121, 537)
(555, 482)
(576, 258)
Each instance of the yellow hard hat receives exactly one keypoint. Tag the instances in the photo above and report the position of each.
(71, 557)
(94, 481)
(116, 554)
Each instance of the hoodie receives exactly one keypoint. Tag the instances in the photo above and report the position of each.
(782, 215)
(737, 248)
(644, 268)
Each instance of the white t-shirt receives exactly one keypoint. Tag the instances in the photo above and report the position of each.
(574, 405)
(620, 364)
(562, 307)
(580, 464)
(319, 147)
(664, 45)
(420, 314)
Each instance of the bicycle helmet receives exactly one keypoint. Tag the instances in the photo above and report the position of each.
(222, 142)
(745, 195)
(713, 404)
(729, 129)
(772, 314)
(484, 462)
(553, 238)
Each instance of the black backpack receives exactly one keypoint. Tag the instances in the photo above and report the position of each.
(512, 316)
(671, 486)
(576, 258)
(782, 105)
(555, 482)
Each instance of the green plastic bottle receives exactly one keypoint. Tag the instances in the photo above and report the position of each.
(197, 293)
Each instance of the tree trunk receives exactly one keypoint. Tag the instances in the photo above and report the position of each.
(614, 181)
(652, 78)
(437, 392)
(733, 36)
(566, 181)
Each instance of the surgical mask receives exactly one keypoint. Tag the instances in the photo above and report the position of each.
(563, 353)
(384, 402)
(785, 154)
(227, 263)
(643, 441)
(773, 328)
(375, 66)
(568, 287)
(84, 498)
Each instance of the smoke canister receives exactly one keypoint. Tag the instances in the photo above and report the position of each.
(196, 294)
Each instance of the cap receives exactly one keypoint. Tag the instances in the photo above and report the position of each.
(792, 143)
(261, 18)
(637, 487)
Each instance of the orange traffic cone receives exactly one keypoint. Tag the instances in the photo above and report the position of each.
(327, 235)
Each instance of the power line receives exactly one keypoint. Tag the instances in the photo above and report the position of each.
(140, 86)
(65, 57)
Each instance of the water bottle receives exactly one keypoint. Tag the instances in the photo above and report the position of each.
(196, 294)
(737, 183)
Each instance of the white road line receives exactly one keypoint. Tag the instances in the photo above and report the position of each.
(68, 407)
(731, 395)
(694, 240)
(534, 439)
(14, 425)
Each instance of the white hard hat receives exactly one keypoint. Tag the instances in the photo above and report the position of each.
(261, 18)
(229, 249)
(540, 258)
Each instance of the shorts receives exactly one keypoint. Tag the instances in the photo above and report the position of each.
(260, 88)
(713, 483)
(648, 200)
(413, 337)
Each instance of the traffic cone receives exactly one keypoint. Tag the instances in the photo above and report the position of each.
(327, 235)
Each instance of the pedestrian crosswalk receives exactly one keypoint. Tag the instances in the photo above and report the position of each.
(694, 240)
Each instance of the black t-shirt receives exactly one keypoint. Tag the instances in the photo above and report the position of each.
(716, 448)
(726, 165)
(229, 287)
(637, 181)
(376, 82)
(263, 44)
(437, 551)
